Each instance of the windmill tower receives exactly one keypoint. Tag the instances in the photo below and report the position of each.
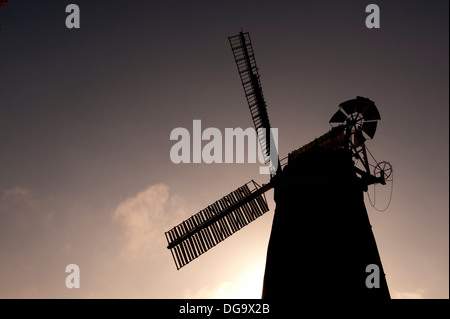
(321, 240)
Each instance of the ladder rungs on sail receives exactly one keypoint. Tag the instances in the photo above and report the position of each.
(210, 226)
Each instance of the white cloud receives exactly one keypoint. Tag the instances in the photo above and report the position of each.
(145, 217)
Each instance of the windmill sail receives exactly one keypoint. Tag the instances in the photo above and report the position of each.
(211, 225)
(244, 56)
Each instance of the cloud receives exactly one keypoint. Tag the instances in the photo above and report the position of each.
(244, 285)
(224, 290)
(27, 242)
(17, 199)
(17, 194)
(20, 207)
(115, 248)
(417, 294)
(145, 216)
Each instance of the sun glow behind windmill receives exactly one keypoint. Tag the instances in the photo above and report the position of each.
(354, 123)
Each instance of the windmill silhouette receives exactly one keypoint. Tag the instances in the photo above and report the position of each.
(321, 239)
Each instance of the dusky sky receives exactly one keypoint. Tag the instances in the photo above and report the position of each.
(86, 115)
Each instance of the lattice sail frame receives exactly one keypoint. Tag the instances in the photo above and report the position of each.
(204, 230)
(244, 56)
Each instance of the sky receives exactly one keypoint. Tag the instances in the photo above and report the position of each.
(86, 115)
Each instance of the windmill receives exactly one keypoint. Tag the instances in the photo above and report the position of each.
(320, 210)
